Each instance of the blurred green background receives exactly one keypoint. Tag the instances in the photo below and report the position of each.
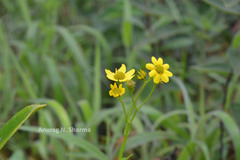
(55, 52)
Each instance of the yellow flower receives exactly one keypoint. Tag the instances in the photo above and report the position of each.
(120, 74)
(158, 70)
(141, 74)
(115, 91)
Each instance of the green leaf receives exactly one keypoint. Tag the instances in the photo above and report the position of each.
(54, 78)
(232, 129)
(236, 40)
(233, 9)
(23, 4)
(75, 48)
(86, 109)
(60, 111)
(235, 110)
(18, 155)
(234, 58)
(127, 33)
(187, 151)
(174, 9)
(188, 105)
(97, 80)
(178, 43)
(127, 25)
(165, 120)
(143, 138)
(99, 116)
(204, 149)
(127, 157)
(15, 122)
(100, 38)
(169, 115)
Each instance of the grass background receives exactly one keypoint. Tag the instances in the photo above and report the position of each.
(55, 52)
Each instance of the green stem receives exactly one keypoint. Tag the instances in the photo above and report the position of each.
(148, 96)
(124, 110)
(133, 101)
(128, 125)
(143, 102)
(139, 93)
(126, 133)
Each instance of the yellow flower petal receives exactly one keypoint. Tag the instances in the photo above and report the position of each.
(160, 61)
(111, 78)
(154, 60)
(111, 93)
(110, 75)
(164, 78)
(126, 79)
(112, 87)
(150, 66)
(130, 73)
(122, 91)
(120, 86)
(166, 66)
(122, 68)
(168, 73)
(156, 79)
(141, 74)
(152, 73)
(108, 72)
(115, 85)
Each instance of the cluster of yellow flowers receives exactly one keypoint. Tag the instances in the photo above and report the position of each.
(158, 71)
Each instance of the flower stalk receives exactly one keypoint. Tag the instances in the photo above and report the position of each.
(129, 122)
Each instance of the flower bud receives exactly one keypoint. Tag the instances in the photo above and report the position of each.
(131, 85)
(141, 74)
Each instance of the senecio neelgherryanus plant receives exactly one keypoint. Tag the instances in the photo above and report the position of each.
(158, 72)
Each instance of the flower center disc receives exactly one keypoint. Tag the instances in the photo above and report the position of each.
(117, 91)
(119, 75)
(159, 69)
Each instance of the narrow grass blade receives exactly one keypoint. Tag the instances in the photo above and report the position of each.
(97, 80)
(18, 155)
(127, 24)
(59, 110)
(232, 129)
(188, 105)
(100, 38)
(26, 80)
(25, 11)
(236, 40)
(187, 151)
(9, 93)
(173, 8)
(220, 5)
(143, 138)
(86, 110)
(167, 122)
(168, 115)
(204, 149)
(15, 122)
(55, 79)
(98, 117)
(74, 47)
